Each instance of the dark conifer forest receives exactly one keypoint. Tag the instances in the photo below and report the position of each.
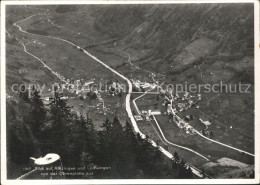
(52, 128)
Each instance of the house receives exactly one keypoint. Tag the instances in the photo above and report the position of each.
(89, 83)
(190, 102)
(145, 86)
(181, 105)
(206, 123)
(169, 108)
(188, 117)
(186, 95)
(138, 118)
(64, 98)
(199, 96)
(155, 112)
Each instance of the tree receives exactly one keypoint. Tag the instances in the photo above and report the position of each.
(189, 174)
(182, 163)
(86, 159)
(107, 125)
(75, 139)
(129, 157)
(38, 113)
(21, 144)
(211, 134)
(176, 156)
(104, 143)
(58, 133)
(117, 127)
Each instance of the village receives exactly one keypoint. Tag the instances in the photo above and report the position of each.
(172, 104)
(80, 91)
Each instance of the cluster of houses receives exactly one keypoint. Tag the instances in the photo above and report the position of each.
(142, 86)
(72, 89)
(83, 89)
(62, 78)
(174, 105)
(146, 114)
(79, 87)
(177, 103)
(116, 88)
(182, 124)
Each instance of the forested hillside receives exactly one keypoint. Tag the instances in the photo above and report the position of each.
(52, 128)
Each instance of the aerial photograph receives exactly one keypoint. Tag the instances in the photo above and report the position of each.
(130, 91)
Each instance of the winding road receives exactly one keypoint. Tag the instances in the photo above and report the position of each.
(37, 58)
(127, 105)
(128, 95)
(128, 108)
(158, 126)
(179, 146)
(136, 107)
(166, 142)
(239, 150)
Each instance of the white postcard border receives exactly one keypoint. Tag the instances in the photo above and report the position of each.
(130, 181)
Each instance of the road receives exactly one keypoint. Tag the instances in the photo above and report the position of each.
(239, 150)
(128, 108)
(136, 107)
(135, 66)
(129, 59)
(46, 66)
(234, 148)
(55, 25)
(193, 169)
(166, 142)
(9, 35)
(242, 151)
(179, 146)
(210, 99)
(127, 105)
(128, 95)
(145, 92)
